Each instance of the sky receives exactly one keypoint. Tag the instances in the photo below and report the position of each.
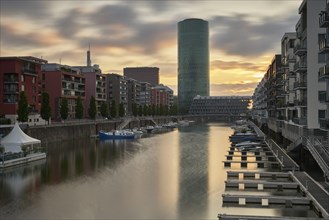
(244, 35)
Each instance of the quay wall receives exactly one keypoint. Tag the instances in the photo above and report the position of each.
(76, 130)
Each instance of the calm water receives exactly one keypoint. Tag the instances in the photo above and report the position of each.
(174, 175)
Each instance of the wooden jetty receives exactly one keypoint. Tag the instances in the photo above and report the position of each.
(260, 185)
(258, 175)
(260, 164)
(246, 217)
(287, 201)
(244, 157)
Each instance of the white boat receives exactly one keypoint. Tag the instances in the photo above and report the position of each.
(170, 125)
(249, 148)
(247, 143)
(116, 135)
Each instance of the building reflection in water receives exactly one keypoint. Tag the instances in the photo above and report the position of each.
(65, 161)
(193, 174)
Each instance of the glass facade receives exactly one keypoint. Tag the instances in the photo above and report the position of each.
(193, 61)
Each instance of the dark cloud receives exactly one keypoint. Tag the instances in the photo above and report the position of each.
(120, 27)
(68, 25)
(237, 35)
(24, 8)
(227, 65)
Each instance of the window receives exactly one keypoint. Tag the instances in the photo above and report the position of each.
(22, 88)
(322, 114)
(22, 78)
(322, 96)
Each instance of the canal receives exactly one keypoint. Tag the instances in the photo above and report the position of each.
(178, 174)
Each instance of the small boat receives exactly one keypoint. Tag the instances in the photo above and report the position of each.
(149, 129)
(248, 143)
(249, 148)
(116, 135)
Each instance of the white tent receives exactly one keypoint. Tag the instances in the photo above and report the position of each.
(14, 141)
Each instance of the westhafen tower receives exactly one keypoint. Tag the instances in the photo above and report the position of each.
(193, 61)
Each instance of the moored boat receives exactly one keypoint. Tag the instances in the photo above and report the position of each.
(116, 135)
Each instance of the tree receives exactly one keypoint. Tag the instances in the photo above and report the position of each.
(173, 110)
(134, 109)
(140, 110)
(92, 111)
(45, 107)
(113, 111)
(23, 108)
(104, 110)
(79, 108)
(145, 110)
(121, 110)
(153, 110)
(64, 109)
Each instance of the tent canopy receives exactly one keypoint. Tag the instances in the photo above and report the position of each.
(14, 141)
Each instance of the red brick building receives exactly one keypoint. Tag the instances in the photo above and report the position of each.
(63, 81)
(20, 74)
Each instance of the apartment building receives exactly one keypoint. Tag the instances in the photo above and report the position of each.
(162, 95)
(145, 94)
(95, 85)
(259, 102)
(308, 61)
(143, 74)
(19, 74)
(63, 81)
(117, 90)
(134, 93)
(324, 69)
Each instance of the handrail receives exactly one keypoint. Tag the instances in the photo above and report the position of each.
(320, 154)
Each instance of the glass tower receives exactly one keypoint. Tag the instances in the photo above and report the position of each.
(193, 61)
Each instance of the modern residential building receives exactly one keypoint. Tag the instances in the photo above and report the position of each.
(220, 105)
(134, 94)
(19, 74)
(63, 81)
(324, 69)
(117, 90)
(301, 108)
(288, 60)
(143, 74)
(275, 95)
(95, 86)
(162, 95)
(308, 62)
(259, 103)
(193, 61)
(145, 94)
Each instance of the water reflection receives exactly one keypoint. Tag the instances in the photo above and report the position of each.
(193, 173)
(174, 175)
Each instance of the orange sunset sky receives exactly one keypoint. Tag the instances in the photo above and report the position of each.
(244, 35)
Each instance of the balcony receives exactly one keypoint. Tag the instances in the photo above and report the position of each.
(11, 91)
(300, 67)
(323, 44)
(300, 121)
(300, 85)
(300, 103)
(29, 71)
(324, 19)
(300, 49)
(324, 72)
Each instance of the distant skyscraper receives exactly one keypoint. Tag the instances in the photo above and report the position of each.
(193, 61)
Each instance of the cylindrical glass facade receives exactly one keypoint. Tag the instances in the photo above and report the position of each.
(193, 61)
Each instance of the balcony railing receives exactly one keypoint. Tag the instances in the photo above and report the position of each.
(300, 121)
(300, 85)
(301, 103)
(300, 49)
(324, 19)
(324, 123)
(300, 67)
(29, 71)
(324, 72)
